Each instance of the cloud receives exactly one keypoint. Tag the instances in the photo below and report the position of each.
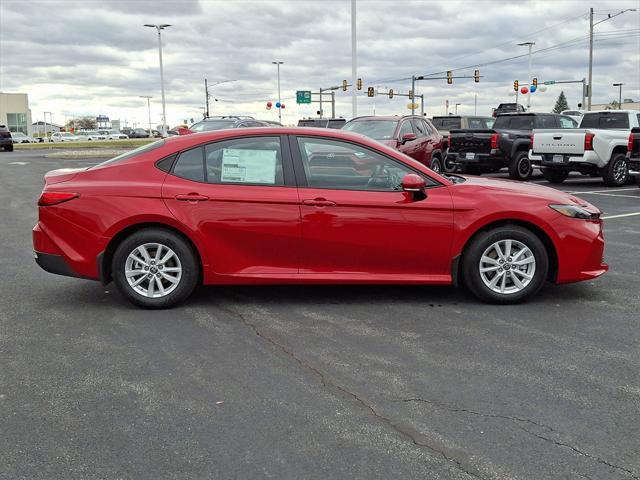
(93, 57)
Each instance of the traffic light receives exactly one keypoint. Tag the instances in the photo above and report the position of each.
(345, 84)
(535, 82)
(391, 93)
(359, 84)
(410, 94)
(476, 76)
(449, 77)
(370, 92)
(515, 85)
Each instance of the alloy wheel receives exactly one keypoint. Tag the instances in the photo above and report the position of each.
(620, 171)
(507, 266)
(153, 270)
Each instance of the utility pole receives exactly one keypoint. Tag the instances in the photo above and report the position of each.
(413, 93)
(619, 85)
(159, 28)
(206, 95)
(457, 108)
(354, 62)
(590, 91)
(148, 110)
(277, 64)
(333, 104)
(530, 45)
(475, 104)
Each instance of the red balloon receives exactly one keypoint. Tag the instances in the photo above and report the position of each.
(282, 105)
(524, 90)
(269, 104)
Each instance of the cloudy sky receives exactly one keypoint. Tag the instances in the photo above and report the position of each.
(95, 57)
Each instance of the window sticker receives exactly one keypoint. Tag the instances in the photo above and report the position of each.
(249, 166)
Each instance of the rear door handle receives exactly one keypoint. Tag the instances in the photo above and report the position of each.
(319, 202)
(191, 197)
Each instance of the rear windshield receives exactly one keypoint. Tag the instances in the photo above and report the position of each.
(605, 120)
(515, 122)
(376, 129)
(145, 148)
(447, 123)
(209, 126)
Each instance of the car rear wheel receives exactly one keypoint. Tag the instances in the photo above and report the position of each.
(505, 265)
(436, 164)
(616, 172)
(520, 167)
(8, 148)
(554, 176)
(155, 268)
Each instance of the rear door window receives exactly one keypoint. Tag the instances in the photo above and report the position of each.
(546, 121)
(605, 120)
(190, 165)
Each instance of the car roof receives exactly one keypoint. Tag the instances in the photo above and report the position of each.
(385, 117)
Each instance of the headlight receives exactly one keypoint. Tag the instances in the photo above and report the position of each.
(575, 211)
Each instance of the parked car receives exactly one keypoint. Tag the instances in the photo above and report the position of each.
(322, 122)
(138, 133)
(220, 123)
(598, 147)
(507, 144)
(90, 135)
(6, 141)
(19, 137)
(633, 154)
(575, 114)
(312, 206)
(413, 135)
(63, 137)
(113, 134)
(508, 108)
(446, 123)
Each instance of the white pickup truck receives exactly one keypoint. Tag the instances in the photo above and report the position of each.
(598, 147)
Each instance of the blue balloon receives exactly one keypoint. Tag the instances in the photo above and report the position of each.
(533, 88)
(277, 104)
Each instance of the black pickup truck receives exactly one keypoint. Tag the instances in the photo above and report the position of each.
(507, 144)
(633, 154)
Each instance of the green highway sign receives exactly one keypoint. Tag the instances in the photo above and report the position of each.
(550, 82)
(303, 96)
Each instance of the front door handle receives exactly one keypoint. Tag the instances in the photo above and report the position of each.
(191, 197)
(319, 202)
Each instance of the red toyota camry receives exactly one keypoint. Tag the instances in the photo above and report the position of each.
(297, 205)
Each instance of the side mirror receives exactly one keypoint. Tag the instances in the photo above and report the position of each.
(414, 185)
(408, 137)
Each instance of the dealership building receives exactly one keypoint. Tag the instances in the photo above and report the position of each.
(15, 112)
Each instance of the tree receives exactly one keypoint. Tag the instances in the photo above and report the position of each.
(87, 123)
(614, 105)
(561, 104)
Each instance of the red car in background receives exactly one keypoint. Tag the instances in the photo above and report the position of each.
(412, 135)
(301, 205)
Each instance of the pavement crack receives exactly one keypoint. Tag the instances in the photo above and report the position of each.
(327, 382)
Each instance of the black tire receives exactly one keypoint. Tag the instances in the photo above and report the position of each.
(554, 176)
(520, 167)
(8, 148)
(436, 165)
(449, 166)
(638, 180)
(481, 242)
(188, 259)
(616, 172)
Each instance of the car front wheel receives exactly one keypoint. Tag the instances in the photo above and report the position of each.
(436, 164)
(155, 268)
(505, 265)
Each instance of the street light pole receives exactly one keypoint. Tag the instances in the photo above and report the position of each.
(619, 85)
(159, 28)
(277, 64)
(354, 61)
(457, 108)
(149, 111)
(530, 45)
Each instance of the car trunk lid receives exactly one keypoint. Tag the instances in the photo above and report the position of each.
(61, 175)
(466, 140)
(567, 141)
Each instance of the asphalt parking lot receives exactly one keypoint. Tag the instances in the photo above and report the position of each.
(317, 382)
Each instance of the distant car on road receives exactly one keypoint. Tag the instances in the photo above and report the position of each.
(113, 134)
(6, 141)
(412, 135)
(63, 137)
(322, 122)
(91, 135)
(575, 114)
(138, 133)
(19, 137)
(508, 108)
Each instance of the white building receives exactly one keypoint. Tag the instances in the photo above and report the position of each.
(15, 112)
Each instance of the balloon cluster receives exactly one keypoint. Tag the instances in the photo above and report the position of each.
(532, 89)
(277, 105)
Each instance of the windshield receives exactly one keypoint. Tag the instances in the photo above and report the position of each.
(66, 134)
(605, 120)
(376, 129)
(145, 148)
(209, 126)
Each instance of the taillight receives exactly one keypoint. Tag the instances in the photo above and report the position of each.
(494, 141)
(532, 141)
(588, 141)
(53, 198)
(630, 144)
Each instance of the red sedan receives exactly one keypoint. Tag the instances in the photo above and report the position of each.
(298, 205)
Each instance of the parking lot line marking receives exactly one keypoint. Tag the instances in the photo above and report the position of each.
(621, 215)
(614, 195)
(604, 191)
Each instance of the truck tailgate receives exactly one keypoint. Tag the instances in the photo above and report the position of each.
(470, 140)
(567, 141)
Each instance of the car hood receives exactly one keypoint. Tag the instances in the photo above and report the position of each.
(495, 185)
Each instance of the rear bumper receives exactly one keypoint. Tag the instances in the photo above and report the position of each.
(634, 165)
(482, 160)
(55, 264)
(569, 162)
